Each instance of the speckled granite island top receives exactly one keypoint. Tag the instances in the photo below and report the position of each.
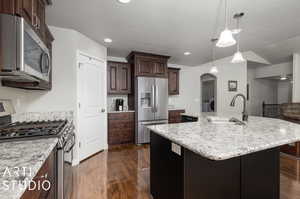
(23, 154)
(225, 141)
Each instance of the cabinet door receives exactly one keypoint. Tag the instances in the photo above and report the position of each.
(160, 69)
(173, 81)
(7, 6)
(39, 17)
(121, 128)
(145, 67)
(27, 7)
(112, 69)
(124, 78)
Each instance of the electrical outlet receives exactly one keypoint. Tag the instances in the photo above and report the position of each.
(176, 148)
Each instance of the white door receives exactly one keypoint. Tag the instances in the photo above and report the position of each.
(92, 117)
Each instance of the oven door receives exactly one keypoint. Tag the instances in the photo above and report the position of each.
(68, 170)
(65, 171)
(35, 60)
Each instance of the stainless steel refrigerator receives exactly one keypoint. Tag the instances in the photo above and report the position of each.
(151, 105)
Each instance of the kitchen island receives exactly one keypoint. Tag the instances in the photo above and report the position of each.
(218, 160)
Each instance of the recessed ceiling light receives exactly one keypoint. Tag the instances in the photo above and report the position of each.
(187, 53)
(124, 1)
(107, 40)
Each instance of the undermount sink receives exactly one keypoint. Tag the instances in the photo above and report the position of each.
(221, 120)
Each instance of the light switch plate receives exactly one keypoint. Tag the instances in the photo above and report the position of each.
(176, 149)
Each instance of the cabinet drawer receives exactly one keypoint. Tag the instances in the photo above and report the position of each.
(121, 116)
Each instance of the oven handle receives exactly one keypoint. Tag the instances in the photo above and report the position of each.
(73, 144)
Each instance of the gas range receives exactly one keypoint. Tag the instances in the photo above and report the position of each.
(20, 131)
(29, 130)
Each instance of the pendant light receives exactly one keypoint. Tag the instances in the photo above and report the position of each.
(238, 56)
(214, 68)
(226, 38)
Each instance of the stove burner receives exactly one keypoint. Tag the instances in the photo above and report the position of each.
(23, 130)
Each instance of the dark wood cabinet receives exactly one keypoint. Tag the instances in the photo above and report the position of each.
(49, 170)
(145, 67)
(160, 69)
(33, 11)
(118, 78)
(173, 75)
(8, 6)
(149, 65)
(121, 128)
(39, 18)
(184, 174)
(27, 10)
(175, 116)
(166, 170)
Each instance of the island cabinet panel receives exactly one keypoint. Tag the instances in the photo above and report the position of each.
(192, 176)
(166, 170)
(261, 175)
(207, 179)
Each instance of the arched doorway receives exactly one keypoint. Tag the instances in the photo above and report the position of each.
(208, 92)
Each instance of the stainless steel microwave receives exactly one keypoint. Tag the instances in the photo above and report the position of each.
(23, 55)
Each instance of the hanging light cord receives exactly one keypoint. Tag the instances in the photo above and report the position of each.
(226, 14)
(238, 36)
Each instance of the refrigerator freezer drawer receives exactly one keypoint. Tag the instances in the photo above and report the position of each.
(143, 135)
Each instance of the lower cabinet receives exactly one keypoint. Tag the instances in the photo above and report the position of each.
(175, 116)
(47, 172)
(166, 170)
(121, 128)
(178, 173)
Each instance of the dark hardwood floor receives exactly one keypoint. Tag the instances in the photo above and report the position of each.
(123, 173)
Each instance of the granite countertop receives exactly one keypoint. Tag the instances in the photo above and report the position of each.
(224, 141)
(22, 154)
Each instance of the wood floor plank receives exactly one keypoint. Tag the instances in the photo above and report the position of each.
(123, 173)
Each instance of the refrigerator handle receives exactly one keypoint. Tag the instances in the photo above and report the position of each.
(153, 98)
(156, 98)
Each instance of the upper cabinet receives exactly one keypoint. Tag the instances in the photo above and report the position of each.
(118, 78)
(150, 65)
(7, 6)
(173, 74)
(33, 11)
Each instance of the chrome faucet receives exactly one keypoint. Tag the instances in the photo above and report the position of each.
(245, 114)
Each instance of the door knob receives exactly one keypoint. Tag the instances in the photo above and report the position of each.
(102, 110)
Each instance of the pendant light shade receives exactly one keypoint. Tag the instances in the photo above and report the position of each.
(238, 58)
(226, 39)
(214, 70)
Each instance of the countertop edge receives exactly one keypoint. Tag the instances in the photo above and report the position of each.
(37, 166)
(215, 157)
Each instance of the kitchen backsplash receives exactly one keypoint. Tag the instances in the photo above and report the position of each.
(43, 116)
(111, 102)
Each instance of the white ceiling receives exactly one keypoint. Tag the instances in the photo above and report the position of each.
(172, 27)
